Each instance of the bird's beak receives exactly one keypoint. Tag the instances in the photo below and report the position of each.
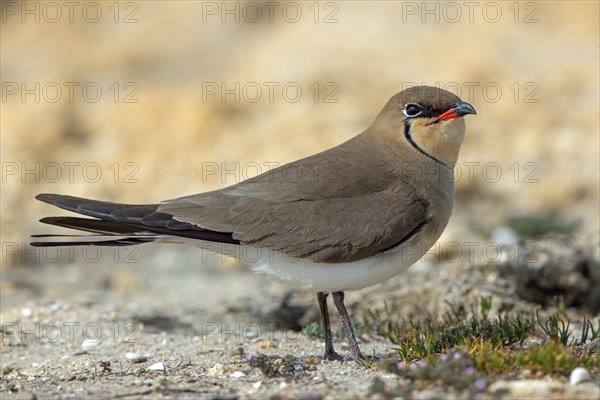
(458, 110)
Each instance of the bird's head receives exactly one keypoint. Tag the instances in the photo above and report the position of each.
(429, 119)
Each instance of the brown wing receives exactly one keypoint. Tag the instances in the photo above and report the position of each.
(322, 207)
(338, 206)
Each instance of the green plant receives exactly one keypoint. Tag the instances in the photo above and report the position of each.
(485, 305)
(556, 328)
(312, 330)
(588, 328)
(495, 346)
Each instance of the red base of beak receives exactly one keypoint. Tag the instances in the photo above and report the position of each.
(450, 114)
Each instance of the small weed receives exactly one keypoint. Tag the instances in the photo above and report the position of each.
(485, 305)
(421, 343)
(494, 346)
(369, 360)
(548, 357)
(589, 330)
(538, 225)
(312, 330)
(556, 329)
(559, 303)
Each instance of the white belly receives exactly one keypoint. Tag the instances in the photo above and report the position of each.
(322, 277)
(333, 277)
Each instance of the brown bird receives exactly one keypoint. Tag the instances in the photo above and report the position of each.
(343, 219)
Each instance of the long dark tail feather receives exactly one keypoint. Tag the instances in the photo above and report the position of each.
(128, 223)
(103, 230)
(90, 225)
(103, 243)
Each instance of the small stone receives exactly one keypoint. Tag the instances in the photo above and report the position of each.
(90, 343)
(504, 236)
(579, 375)
(237, 374)
(215, 370)
(135, 357)
(159, 366)
(8, 369)
(256, 385)
(26, 312)
(237, 352)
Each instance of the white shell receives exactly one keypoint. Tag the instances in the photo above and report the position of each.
(579, 375)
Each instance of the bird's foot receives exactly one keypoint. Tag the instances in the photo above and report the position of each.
(358, 357)
(331, 355)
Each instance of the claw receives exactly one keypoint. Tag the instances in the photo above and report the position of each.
(332, 356)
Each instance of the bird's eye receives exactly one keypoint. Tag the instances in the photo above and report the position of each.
(412, 110)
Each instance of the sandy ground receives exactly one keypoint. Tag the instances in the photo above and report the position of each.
(164, 326)
(163, 126)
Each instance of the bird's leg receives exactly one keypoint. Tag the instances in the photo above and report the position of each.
(338, 300)
(330, 353)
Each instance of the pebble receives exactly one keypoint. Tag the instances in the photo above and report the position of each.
(159, 366)
(90, 343)
(135, 357)
(504, 236)
(216, 369)
(237, 374)
(579, 375)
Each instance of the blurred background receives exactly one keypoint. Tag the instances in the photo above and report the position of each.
(146, 101)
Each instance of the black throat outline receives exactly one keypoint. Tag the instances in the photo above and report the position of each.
(410, 139)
